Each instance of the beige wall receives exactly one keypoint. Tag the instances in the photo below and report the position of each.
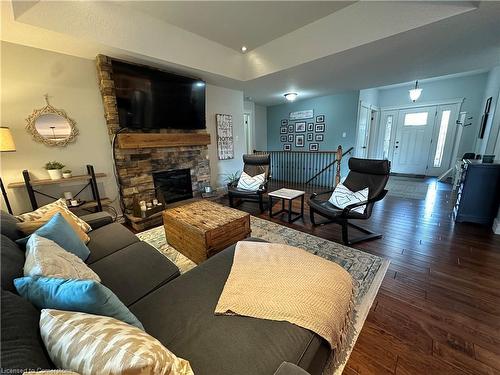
(29, 73)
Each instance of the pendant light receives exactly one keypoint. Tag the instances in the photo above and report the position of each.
(415, 92)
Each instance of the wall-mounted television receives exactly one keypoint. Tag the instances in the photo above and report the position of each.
(149, 98)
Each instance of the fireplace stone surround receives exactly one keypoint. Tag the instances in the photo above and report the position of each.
(135, 166)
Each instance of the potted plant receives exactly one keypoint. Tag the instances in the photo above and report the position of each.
(231, 178)
(55, 169)
(67, 173)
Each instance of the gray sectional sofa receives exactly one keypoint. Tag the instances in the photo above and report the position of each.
(176, 309)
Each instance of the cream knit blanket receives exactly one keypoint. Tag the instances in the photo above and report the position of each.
(284, 283)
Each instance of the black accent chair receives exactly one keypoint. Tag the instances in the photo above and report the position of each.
(363, 173)
(253, 165)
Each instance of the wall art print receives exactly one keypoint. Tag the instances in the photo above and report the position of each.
(225, 142)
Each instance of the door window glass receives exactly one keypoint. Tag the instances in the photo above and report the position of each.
(416, 119)
(387, 136)
(443, 129)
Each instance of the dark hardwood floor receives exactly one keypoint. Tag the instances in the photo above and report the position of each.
(438, 309)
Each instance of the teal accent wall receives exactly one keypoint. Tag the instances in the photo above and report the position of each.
(340, 113)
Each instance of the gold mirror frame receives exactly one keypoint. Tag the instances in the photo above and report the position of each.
(49, 109)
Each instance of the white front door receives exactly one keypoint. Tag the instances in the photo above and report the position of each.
(412, 143)
(363, 133)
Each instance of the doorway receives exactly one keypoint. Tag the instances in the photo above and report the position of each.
(366, 128)
(247, 123)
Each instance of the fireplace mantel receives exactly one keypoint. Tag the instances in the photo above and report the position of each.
(156, 140)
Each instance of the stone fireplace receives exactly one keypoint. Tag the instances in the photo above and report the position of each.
(173, 186)
(140, 156)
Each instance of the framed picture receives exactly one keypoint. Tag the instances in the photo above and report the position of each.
(290, 128)
(299, 140)
(320, 118)
(283, 138)
(310, 126)
(224, 127)
(290, 137)
(287, 147)
(283, 130)
(284, 122)
(313, 146)
(319, 137)
(320, 128)
(300, 127)
(310, 136)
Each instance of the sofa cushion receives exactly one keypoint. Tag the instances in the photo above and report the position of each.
(12, 262)
(135, 271)
(22, 347)
(97, 219)
(223, 345)
(8, 226)
(108, 239)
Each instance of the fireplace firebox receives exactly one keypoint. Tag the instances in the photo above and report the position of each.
(174, 185)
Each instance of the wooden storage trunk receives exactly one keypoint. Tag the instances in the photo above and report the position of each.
(201, 229)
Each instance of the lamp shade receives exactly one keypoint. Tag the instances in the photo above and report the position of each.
(6, 140)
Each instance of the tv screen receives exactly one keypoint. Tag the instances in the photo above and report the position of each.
(148, 98)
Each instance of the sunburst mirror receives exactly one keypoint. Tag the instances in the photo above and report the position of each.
(51, 126)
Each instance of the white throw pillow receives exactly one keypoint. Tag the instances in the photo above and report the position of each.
(46, 258)
(343, 197)
(247, 182)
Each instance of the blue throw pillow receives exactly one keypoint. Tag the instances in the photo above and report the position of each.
(59, 230)
(86, 296)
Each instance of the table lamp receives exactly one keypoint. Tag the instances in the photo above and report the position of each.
(6, 145)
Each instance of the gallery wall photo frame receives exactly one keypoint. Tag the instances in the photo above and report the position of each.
(299, 140)
(319, 128)
(300, 127)
(225, 142)
(320, 118)
(310, 126)
(319, 137)
(283, 138)
(287, 147)
(313, 146)
(290, 137)
(310, 136)
(283, 130)
(290, 128)
(284, 122)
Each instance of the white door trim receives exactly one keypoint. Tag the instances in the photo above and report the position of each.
(423, 104)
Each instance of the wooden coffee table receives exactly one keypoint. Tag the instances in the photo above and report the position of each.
(289, 195)
(201, 229)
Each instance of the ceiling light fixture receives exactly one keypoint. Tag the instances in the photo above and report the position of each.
(291, 96)
(415, 92)
(243, 49)
(200, 84)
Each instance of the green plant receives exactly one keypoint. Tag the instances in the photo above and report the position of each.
(67, 171)
(229, 178)
(54, 165)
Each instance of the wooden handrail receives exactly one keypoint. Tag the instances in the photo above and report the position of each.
(338, 158)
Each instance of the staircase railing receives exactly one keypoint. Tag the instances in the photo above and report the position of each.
(301, 168)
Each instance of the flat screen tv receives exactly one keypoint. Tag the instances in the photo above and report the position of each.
(149, 98)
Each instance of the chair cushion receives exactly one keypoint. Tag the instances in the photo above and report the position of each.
(60, 231)
(21, 347)
(46, 258)
(325, 208)
(223, 345)
(12, 262)
(87, 296)
(108, 239)
(135, 271)
(250, 183)
(8, 226)
(343, 197)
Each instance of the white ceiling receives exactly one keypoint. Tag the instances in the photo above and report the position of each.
(363, 45)
(237, 23)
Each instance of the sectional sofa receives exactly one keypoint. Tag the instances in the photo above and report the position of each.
(176, 309)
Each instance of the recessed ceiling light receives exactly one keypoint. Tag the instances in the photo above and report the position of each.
(291, 96)
(243, 49)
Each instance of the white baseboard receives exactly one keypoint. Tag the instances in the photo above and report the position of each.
(496, 225)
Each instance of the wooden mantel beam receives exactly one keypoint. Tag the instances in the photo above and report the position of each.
(153, 140)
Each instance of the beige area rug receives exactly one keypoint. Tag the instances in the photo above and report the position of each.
(366, 269)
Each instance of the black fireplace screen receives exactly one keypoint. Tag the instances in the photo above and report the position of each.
(174, 185)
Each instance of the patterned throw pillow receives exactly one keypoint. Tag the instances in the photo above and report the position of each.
(92, 344)
(247, 182)
(61, 203)
(28, 227)
(44, 257)
(343, 197)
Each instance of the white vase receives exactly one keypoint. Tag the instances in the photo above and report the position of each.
(67, 175)
(55, 174)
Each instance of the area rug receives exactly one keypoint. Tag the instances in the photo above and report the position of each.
(406, 187)
(366, 269)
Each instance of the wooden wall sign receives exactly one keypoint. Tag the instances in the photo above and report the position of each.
(225, 143)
